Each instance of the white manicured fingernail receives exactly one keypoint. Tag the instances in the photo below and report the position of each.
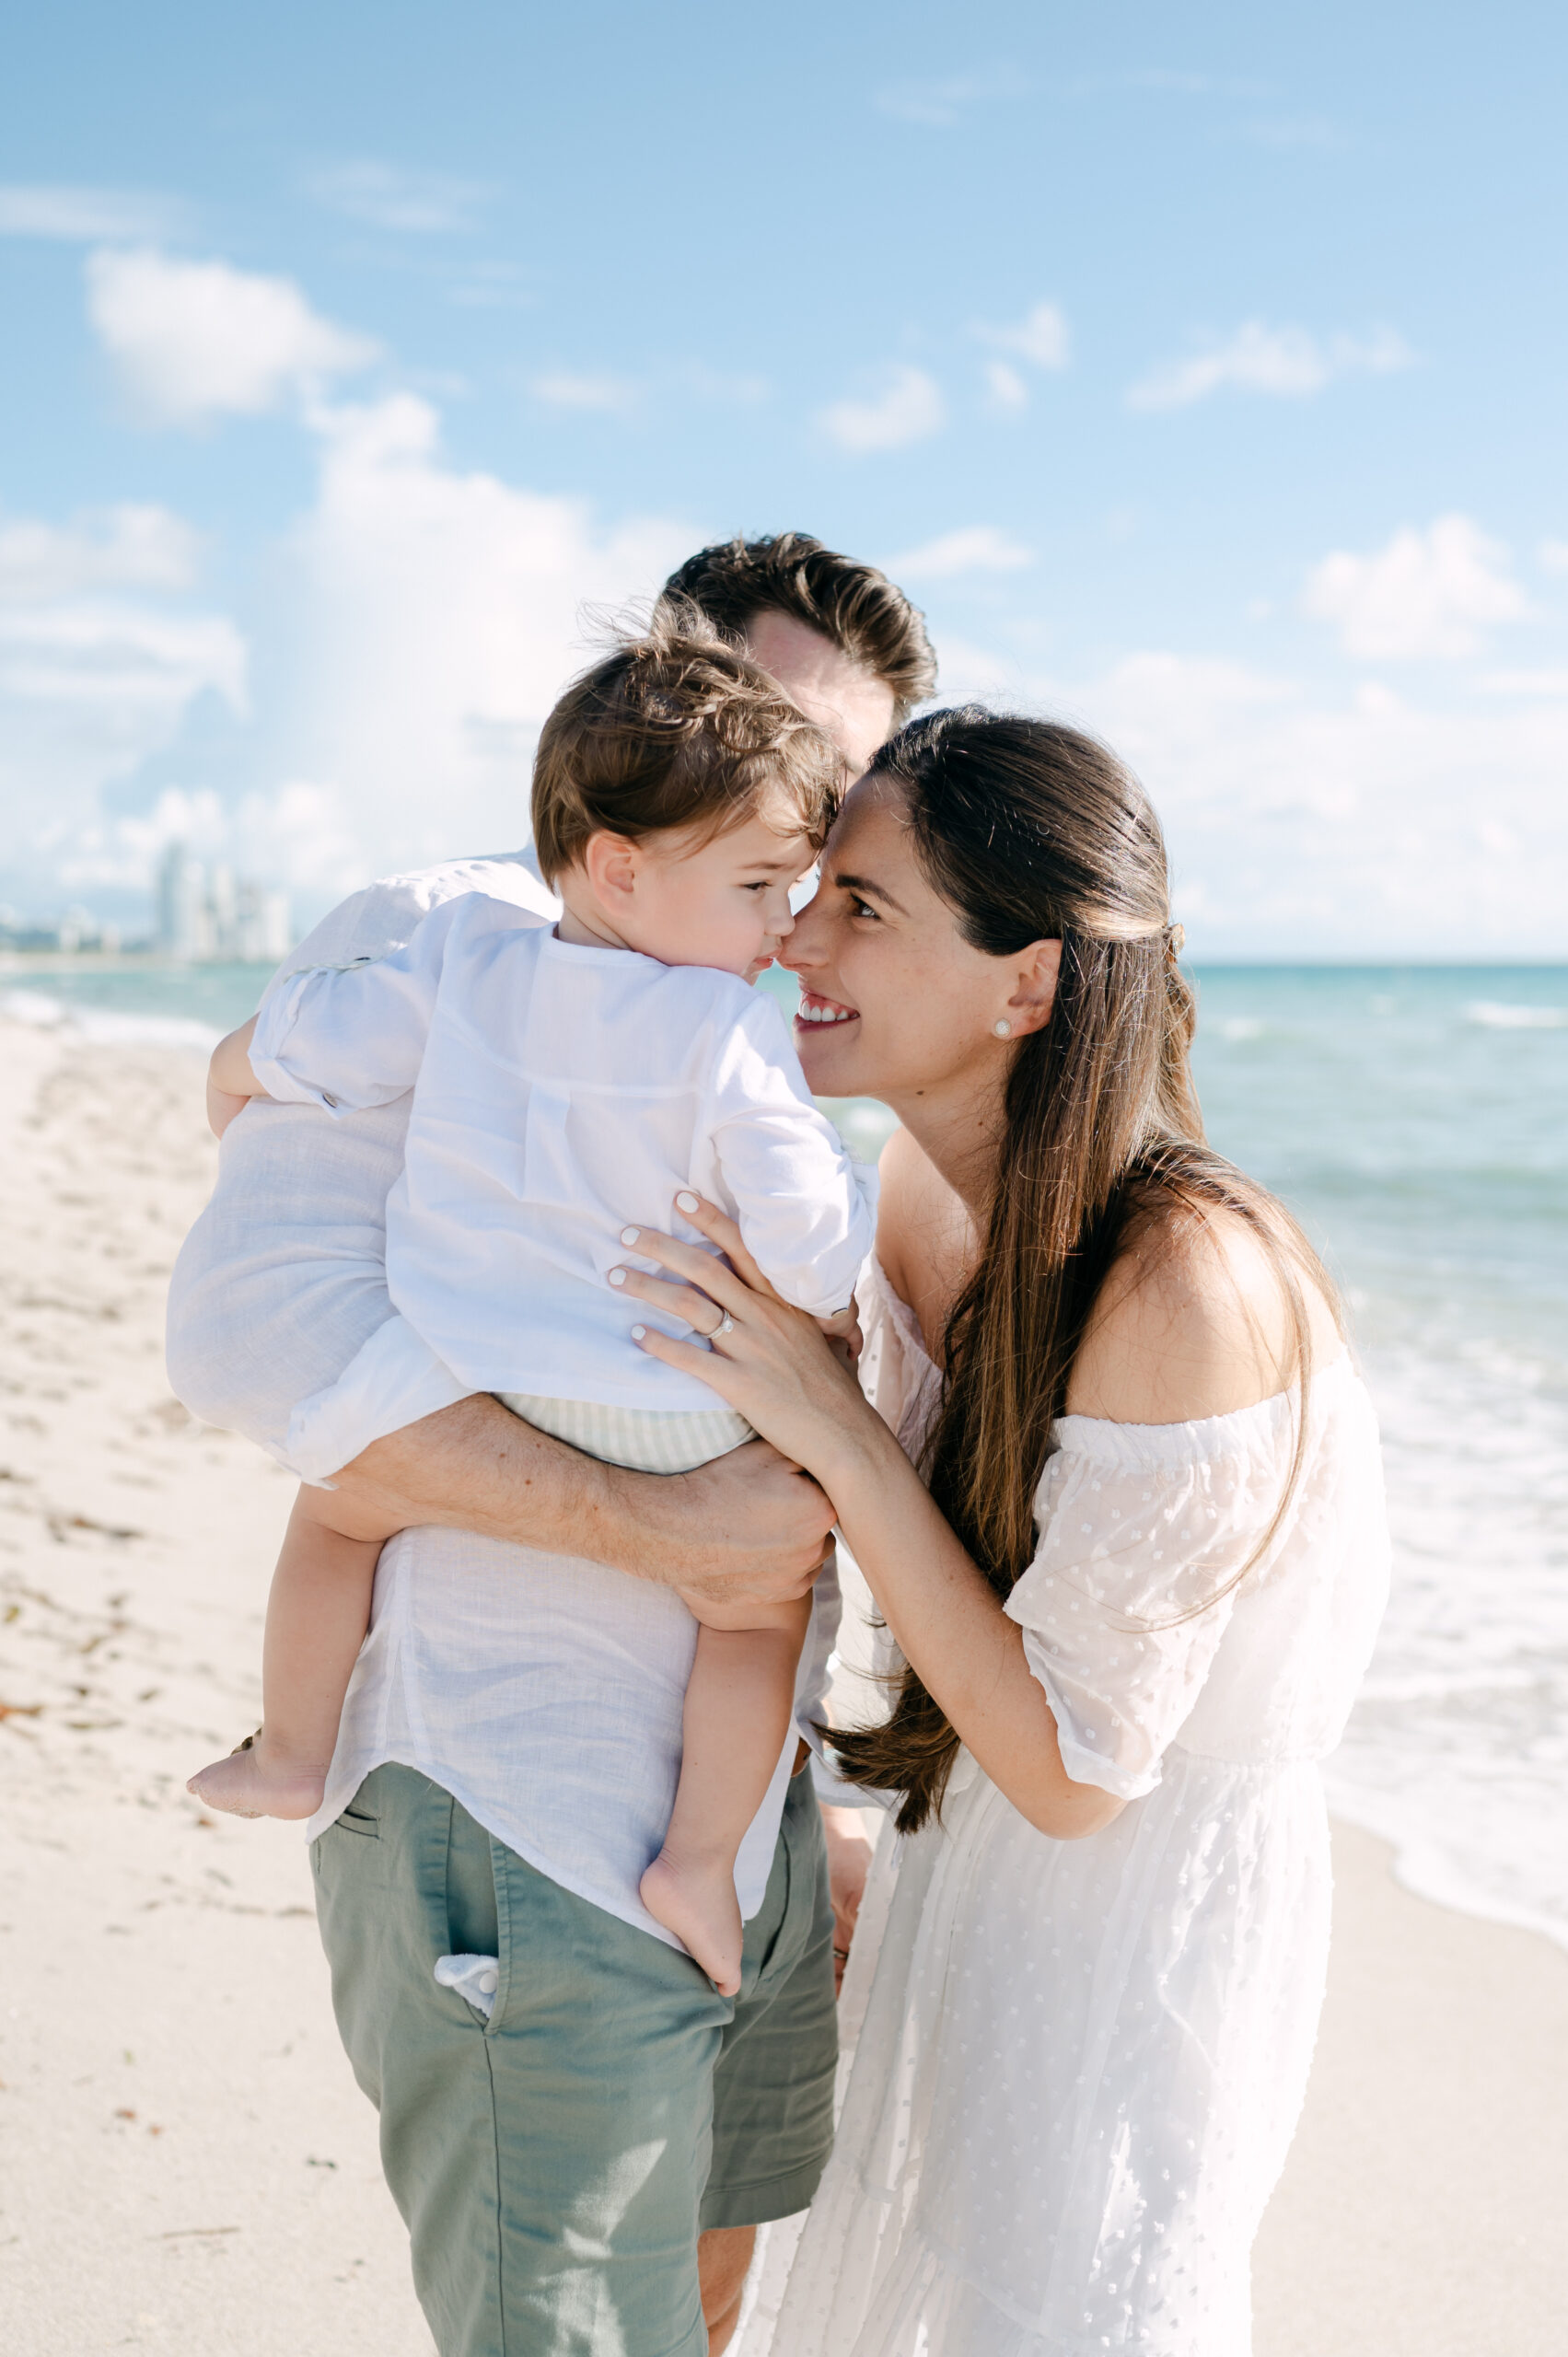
(618, 1276)
(629, 1234)
(687, 1202)
(638, 1333)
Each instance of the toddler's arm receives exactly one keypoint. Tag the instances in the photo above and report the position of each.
(341, 1036)
(231, 1084)
(805, 1212)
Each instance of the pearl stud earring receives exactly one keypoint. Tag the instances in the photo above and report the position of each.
(1003, 1029)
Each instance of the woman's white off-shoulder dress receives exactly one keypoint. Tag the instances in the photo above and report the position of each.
(1079, 2064)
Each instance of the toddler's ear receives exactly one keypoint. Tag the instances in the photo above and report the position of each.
(612, 863)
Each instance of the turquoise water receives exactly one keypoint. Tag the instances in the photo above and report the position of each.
(1416, 1120)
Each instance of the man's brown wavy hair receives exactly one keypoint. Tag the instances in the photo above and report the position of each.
(864, 614)
(675, 730)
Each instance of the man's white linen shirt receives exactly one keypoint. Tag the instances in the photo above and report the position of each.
(543, 1692)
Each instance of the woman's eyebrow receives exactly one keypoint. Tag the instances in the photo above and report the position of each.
(866, 889)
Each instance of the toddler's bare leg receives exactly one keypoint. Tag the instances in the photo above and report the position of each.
(738, 1713)
(317, 1616)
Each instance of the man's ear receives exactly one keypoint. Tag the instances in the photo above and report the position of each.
(1030, 1007)
(610, 864)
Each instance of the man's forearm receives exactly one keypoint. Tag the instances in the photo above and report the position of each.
(477, 1467)
(746, 1527)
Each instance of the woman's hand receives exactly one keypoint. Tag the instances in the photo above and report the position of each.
(769, 1361)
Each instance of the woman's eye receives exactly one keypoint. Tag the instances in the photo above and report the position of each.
(861, 909)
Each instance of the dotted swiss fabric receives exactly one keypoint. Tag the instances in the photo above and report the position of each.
(1079, 2064)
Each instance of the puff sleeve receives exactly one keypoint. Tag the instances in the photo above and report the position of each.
(1142, 1529)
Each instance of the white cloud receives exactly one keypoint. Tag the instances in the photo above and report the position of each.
(942, 101)
(420, 623)
(124, 547)
(194, 339)
(91, 686)
(975, 547)
(564, 388)
(1307, 825)
(84, 216)
(1525, 683)
(1040, 337)
(1431, 593)
(1554, 556)
(1007, 392)
(417, 204)
(1287, 362)
(909, 409)
(119, 656)
(429, 619)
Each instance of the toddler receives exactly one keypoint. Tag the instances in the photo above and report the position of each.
(570, 1083)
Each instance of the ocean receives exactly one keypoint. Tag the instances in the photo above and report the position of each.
(1416, 1121)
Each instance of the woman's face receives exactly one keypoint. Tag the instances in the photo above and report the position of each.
(895, 1003)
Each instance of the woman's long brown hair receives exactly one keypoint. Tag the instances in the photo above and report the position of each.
(1031, 831)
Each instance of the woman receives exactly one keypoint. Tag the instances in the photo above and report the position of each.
(1129, 1609)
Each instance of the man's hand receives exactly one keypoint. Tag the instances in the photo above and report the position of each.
(849, 1862)
(748, 1529)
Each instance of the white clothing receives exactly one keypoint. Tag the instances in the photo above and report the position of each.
(543, 1692)
(1081, 2063)
(283, 1279)
(546, 1695)
(561, 1094)
(646, 1439)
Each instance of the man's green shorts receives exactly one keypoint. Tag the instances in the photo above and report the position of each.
(555, 2164)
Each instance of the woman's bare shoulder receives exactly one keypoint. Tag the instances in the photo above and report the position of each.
(1193, 1321)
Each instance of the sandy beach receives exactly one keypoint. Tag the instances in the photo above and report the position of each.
(185, 2162)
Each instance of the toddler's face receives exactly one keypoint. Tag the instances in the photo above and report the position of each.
(724, 902)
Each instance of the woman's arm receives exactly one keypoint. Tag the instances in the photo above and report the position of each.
(1195, 1328)
(944, 1617)
(949, 1625)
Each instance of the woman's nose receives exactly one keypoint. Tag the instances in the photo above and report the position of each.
(805, 933)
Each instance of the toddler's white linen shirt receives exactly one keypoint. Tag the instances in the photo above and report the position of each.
(561, 1094)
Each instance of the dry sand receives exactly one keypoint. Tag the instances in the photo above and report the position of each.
(185, 2162)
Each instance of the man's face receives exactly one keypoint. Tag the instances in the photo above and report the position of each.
(849, 705)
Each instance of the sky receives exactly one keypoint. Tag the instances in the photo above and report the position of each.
(1202, 374)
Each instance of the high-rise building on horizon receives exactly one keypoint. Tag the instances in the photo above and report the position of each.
(207, 913)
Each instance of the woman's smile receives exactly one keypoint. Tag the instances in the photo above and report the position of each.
(815, 1008)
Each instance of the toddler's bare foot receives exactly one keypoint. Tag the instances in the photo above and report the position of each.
(251, 1782)
(695, 1899)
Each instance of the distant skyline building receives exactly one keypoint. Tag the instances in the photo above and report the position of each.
(205, 912)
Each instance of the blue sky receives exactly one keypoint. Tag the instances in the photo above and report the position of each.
(1204, 373)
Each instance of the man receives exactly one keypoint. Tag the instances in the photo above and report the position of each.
(553, 2161)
